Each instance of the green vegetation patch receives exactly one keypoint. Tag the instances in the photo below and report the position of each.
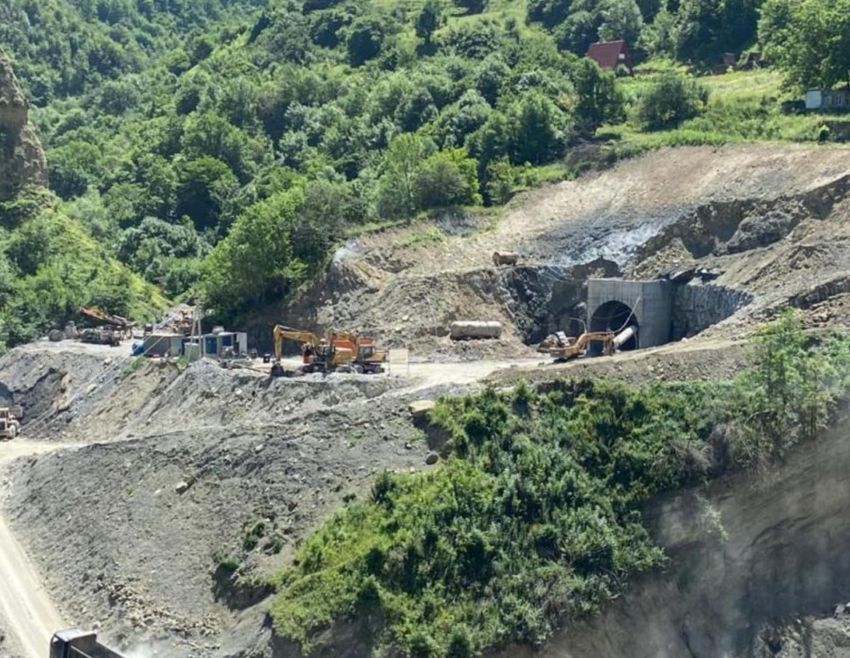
(50, 266)
(535, 518)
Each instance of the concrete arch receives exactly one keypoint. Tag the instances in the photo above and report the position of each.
(615, 315)
(649, 305)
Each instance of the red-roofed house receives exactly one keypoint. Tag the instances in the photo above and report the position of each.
(611, 56)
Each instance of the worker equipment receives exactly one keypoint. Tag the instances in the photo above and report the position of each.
(10, 426)
(74, 643)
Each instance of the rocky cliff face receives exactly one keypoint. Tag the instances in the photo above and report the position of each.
(22, 160)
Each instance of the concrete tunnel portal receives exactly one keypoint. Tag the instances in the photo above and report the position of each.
(614, 304)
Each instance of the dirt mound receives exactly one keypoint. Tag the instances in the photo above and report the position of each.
(136, 525)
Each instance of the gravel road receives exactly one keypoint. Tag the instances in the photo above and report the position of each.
(25, 607)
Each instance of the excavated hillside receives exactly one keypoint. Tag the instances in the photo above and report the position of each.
(22, 160)
(769, 220)
(136, 531)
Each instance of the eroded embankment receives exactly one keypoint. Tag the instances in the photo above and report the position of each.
(128, 532)
(747, 554)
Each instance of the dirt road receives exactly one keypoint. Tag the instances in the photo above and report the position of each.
(25, 607)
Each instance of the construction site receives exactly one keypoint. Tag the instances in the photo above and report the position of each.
(133, 455)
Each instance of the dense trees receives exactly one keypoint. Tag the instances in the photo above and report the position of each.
(178, 125)
(810, 40)
(694, 31)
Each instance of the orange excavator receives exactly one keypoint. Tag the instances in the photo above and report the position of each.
(341, 351)
(368, 359)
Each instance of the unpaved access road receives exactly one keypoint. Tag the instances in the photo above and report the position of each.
(25, 607)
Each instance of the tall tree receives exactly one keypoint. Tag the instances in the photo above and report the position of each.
(428, 20)
(809, 40)
(598, 99)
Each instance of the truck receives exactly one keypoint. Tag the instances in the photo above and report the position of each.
(74, 643)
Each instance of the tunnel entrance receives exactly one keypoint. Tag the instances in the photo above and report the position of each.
(614, 316)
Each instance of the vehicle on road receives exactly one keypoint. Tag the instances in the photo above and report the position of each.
(74, 643)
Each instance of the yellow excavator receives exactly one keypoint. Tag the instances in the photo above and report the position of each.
(563, 348)
(341, 351)
(368, 359)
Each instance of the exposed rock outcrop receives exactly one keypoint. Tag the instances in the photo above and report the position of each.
(22, 160)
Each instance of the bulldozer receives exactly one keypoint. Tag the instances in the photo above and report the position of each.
(341, 351)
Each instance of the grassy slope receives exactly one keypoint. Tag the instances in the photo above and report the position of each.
(743, 106)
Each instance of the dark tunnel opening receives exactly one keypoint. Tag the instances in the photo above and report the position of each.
(614, 316)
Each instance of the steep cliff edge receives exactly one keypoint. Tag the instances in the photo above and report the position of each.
(22, 160)
(757, 566)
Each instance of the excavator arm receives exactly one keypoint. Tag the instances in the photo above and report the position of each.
(281, 333)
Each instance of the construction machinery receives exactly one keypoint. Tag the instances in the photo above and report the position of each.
(368, 359)
(74, 643)
(341, 351)
(120, 324)
(10, 426)
(563, 348)
(101, 336)
(317, 354)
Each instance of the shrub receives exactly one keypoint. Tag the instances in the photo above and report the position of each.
(672, 99)
(447, 178)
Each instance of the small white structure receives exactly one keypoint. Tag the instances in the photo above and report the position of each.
(220, 342)
(828, 99)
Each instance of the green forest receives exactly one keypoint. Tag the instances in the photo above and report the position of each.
(224, 148)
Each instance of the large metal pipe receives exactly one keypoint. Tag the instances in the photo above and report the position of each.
(623, 337)
(461, 330)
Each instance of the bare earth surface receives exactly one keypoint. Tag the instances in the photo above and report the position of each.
(25, 606)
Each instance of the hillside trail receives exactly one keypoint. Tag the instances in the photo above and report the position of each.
(25, 606)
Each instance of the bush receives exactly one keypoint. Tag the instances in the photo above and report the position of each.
(672, 99)
(447, 178)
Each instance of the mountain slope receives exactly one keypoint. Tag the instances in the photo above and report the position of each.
(49, 264)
